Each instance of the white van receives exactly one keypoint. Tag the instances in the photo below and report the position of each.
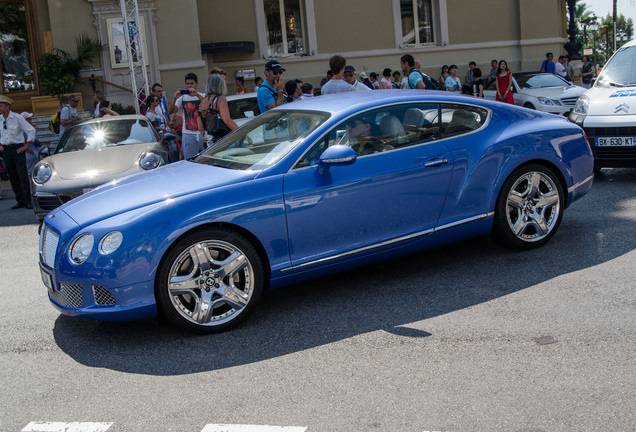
(607, 111)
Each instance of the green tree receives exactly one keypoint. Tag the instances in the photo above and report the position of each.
(59, 71)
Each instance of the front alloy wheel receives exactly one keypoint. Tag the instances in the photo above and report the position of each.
(210, 281)
(529, 208)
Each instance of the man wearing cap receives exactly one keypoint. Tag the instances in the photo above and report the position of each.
(337, 64)
(68, 114)
(13, 146)
(270, 93)
(350, 78)
(365, 80)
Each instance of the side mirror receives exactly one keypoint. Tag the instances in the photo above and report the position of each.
(43, 152)
(337, 155)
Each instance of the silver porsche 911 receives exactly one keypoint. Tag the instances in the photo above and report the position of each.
(92, 153)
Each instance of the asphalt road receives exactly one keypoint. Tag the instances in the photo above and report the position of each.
(469, 337)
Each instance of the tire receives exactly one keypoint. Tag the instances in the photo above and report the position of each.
(529, 105)
(529, 208)
(209, 281)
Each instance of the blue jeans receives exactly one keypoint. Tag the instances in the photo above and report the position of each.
(191, 144)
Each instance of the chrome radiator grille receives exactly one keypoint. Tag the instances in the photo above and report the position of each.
(48, 246)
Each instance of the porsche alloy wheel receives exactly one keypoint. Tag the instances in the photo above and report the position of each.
(210, 281)
(529, 208)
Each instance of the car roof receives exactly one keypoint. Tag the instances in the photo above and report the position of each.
(629, 44)
(343, 103)
(250, 95)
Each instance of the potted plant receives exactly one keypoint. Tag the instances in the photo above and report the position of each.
(59, 72)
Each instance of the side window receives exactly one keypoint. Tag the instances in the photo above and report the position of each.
(461, 119)
(381, 130)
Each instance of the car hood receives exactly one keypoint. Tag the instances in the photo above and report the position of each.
(555, 92)
(98, 162)
(164, 184)
(611, 101)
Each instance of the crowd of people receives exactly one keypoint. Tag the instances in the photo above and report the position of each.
(199, 117)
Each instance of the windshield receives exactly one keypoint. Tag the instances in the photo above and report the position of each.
(97, 135)
(619, 71)
(263, 141)
(540, 81)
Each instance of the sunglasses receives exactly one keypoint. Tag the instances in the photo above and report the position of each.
(5, 123)
(277, 72)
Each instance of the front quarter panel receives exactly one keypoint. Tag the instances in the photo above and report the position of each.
(255, 207)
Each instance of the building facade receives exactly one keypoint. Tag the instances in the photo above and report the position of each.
(240, 36)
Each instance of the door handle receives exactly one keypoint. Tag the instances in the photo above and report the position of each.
(436, 163)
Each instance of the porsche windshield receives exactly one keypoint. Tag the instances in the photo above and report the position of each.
(263, 141)
(95, 135)
(619, 71)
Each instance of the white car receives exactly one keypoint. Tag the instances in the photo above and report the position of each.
(243, 107)
(541, 91)
(607, 111)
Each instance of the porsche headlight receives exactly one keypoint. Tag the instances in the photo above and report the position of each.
(582, 105)
(42, 173)
(110, 242)
(150, 160)
(549, 101)
(81, 248)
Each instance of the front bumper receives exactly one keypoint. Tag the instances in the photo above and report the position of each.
(43, 203)
(612, 127)
(95, 301)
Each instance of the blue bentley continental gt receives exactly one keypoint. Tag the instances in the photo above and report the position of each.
(310, 188)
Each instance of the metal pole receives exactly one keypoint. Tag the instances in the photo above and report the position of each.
(134, 49)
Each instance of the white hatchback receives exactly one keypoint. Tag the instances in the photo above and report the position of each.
(607, 111)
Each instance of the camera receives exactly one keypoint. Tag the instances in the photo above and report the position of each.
(185, 92)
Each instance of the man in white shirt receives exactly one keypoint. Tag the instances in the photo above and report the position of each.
(350, 78)
(559, 67)
(13, 146)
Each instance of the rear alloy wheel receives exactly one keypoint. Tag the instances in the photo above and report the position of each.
(210, 281)
(529, 208)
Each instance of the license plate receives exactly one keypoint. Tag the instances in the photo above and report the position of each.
(46, 279)
(615, 141)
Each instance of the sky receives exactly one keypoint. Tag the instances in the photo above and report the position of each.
(602, 8)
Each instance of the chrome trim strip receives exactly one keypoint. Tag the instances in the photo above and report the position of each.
(390, 242)
(582, 182)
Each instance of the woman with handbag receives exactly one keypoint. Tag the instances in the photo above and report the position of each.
(218, 122)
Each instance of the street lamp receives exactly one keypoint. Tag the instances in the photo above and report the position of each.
(593, 26)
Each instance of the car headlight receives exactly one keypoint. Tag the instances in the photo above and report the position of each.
(110, 242)
(549, 101)
(81, 248)
(150, 160)
(582, 105)
(42, 173)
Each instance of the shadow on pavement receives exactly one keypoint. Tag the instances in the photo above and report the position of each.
(383, 297)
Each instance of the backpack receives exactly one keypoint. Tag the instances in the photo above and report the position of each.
(54, 123)
(429, 83)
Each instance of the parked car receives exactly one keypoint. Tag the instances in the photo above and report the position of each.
(307, 189)
(607, 111)
(92, 153)
(541, 91)
(243, 107)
